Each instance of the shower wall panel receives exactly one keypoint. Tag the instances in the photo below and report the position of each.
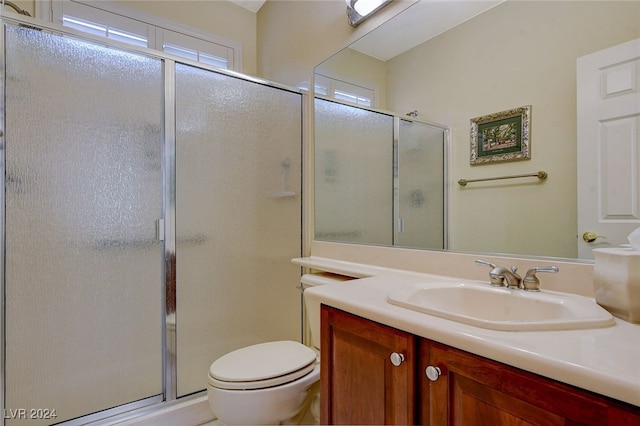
(83, 274)
(238, 218)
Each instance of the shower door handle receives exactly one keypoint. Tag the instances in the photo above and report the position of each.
(160, 229)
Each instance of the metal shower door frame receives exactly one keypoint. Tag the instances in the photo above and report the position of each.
(2, 226)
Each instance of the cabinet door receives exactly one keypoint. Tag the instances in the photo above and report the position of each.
(359, 382)
(472, 390)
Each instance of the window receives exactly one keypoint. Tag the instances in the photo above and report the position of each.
(351, 97)
(193, 48)
(133, 27)
(318, 89)
(345, 92)
(104, 30)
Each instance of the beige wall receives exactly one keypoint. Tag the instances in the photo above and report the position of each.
(463, 74)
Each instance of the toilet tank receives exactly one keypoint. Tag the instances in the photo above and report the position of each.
(312, 307)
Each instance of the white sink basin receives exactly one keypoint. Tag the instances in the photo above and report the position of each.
(500, 308)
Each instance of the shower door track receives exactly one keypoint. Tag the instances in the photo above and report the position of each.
(121, 412)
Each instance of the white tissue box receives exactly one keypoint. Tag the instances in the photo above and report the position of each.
(616, 279)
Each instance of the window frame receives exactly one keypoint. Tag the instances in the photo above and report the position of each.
(158, 29)
(342, 90)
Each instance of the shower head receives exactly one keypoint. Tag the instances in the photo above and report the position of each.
(15, 7)
(413, 113)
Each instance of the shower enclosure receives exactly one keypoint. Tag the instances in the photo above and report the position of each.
(150, 208)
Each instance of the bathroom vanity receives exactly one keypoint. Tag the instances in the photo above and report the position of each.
(383, 363)
(429, 383)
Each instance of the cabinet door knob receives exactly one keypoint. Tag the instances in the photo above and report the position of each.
(433, 373)
(396, 358)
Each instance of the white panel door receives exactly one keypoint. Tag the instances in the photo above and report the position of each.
(608, 114)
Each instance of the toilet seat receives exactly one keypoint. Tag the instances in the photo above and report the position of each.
(261, 366)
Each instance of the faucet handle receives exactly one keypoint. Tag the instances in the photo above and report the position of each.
(496, 278)
(485, 263)
(530, 282)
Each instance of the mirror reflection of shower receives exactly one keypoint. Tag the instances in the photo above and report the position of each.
(380, 177)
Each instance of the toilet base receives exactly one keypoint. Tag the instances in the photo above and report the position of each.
(290, 403)
(310, 413)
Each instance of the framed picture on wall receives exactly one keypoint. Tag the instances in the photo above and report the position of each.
(502, 136)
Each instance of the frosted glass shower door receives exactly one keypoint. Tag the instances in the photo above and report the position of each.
(353, 174)
(238, 218)
(419, 186)
(83, 277)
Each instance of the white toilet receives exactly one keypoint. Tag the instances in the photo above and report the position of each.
(270, 383)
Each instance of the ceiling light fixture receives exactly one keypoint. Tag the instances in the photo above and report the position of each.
(359, 10)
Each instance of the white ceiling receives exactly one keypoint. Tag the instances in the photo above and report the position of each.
(252, 5)
(417, 24)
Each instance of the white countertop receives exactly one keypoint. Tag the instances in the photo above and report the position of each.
(602, 360)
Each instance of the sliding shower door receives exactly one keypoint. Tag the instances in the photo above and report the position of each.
(83, 274)
(238, 218)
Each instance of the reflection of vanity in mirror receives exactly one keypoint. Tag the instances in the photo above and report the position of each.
(496, 56)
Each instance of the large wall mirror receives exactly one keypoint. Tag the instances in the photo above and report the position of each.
(450, 62)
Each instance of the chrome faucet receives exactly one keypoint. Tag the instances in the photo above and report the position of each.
(511, 277)
(501, 276)
(530, 282)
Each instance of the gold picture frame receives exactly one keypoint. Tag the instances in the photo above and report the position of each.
(502, 136)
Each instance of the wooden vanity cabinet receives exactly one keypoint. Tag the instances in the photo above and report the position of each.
(472, 390)
(359, 382)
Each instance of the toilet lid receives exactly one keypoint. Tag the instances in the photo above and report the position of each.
(262, 365)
